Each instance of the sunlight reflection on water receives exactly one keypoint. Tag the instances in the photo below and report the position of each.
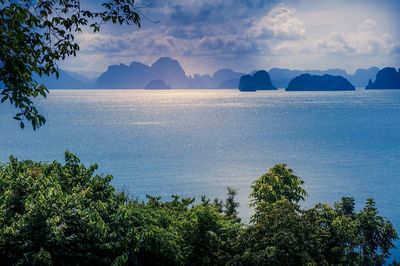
(194, 142)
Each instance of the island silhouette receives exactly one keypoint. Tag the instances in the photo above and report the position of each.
(260, 80)
(307, 82)
(138, 76)
(387, 78)
(157, 84)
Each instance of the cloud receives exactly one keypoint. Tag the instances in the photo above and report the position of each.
(247, 34)
(129, 44)
(306, 45)
(279, 23)
(368, 25)
(182, 14)
(145, 43)
(188, 32)
(229, 46)
(366, 41)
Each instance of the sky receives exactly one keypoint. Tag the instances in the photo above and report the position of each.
(207, 35)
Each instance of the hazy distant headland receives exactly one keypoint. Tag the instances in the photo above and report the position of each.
(168, 73)
(157, 84)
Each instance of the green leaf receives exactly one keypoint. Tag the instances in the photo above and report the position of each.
(121, 260)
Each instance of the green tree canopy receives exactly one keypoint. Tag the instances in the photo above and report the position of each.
(66, 214)
(282, 233)
(36, 35)
(279, 183)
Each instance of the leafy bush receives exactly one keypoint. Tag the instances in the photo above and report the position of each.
(65, 214)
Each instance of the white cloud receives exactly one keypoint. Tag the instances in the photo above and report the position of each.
(368, 25)
(279, 23)
(129, 44)
(147, 43)
(306, 45)
(365, 41)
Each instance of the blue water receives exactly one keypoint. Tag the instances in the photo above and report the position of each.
(194, 142)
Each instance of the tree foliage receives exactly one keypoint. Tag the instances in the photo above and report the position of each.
(65, 214)
(277, 184)
(35, 35)
(282, 233)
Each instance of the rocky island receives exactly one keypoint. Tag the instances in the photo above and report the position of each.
(387, 78)
(157, 84)
(307, 82)
(260, 80)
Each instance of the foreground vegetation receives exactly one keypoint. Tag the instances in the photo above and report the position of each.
(65, 214)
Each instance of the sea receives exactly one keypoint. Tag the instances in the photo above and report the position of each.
(199, 142)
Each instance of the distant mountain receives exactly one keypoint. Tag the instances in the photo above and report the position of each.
(171, 72)
(260, 80)
(222, 79)
(65, 81)
(82, 78)
(134, 76)
(229, 84)
(361, 77)
(138, 75)
(332, 72)
(206, 81)
(157, 84)
(223, 75)
(386, 78)
(307, 82)
(200, 81)
(281, 77)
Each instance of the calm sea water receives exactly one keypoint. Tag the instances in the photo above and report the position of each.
(195, 142)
